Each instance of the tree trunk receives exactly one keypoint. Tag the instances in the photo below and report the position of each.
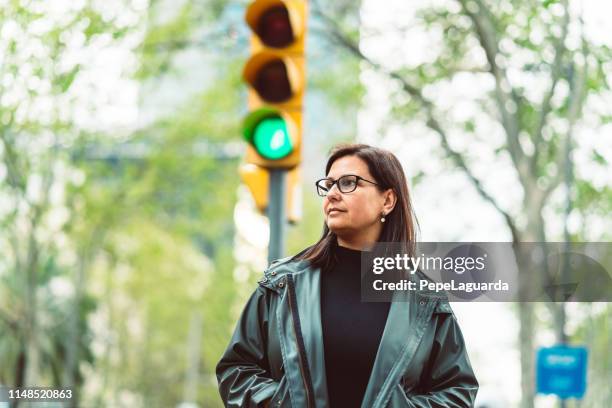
(526, 319)
(529, 280)
(32, 346)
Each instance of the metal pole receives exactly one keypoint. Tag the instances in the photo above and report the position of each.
(192, 378)
(276, 213)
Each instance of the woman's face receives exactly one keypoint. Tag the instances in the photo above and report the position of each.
(358, 212)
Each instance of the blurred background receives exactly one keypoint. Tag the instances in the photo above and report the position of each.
(129, 244)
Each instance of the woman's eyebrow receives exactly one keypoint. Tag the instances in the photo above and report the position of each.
(341, 175)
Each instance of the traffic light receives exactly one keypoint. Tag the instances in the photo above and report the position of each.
(275, 73)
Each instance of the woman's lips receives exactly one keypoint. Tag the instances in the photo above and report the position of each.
(332, 212)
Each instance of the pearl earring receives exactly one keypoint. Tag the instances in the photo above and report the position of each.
(382, 219)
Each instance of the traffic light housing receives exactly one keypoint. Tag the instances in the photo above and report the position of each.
(257, 179)
(275, 73)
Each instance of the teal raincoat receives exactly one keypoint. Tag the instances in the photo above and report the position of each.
(276, 354)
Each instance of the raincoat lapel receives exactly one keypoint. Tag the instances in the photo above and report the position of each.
(308, 284)
(406, 323)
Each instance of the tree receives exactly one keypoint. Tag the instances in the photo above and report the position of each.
(494, 43)
(44, 308)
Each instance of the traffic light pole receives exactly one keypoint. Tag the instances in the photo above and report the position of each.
(276, 214)
(276, 75)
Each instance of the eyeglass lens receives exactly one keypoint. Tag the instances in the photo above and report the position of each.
(346, 184)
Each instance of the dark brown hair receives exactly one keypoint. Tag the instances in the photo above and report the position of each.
(400, 223)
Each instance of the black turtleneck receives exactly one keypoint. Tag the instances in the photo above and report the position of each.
(351, 330)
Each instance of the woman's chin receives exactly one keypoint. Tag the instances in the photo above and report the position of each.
(336, 226)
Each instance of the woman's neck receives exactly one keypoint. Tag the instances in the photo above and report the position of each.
(362, 240)
(359, 245)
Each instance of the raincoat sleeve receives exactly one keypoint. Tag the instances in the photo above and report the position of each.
(447, 380)
(243, 373)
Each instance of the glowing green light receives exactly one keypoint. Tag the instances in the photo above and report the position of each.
(271, 139)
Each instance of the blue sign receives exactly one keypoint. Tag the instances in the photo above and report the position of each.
(561, 370)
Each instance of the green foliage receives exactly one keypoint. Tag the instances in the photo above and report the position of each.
(163, 279)
(164, 38)
(43, 311)
(65, 80)
(591, 200)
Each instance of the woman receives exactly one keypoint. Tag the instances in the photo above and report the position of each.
(305, 339)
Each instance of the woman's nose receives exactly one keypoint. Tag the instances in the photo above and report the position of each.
(333, 192)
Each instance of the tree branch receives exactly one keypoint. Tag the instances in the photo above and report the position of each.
(14, 175)
(556, 71)
(576, 97)
(485, 33)
(8, 321)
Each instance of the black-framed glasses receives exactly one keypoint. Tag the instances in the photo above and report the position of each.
(346, 184)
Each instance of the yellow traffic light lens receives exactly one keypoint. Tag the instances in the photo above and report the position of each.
(271, 139)
(272, 82)
(274, 27)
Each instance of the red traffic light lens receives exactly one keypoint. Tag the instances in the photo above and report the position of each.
(274, 27)
(272, 82)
